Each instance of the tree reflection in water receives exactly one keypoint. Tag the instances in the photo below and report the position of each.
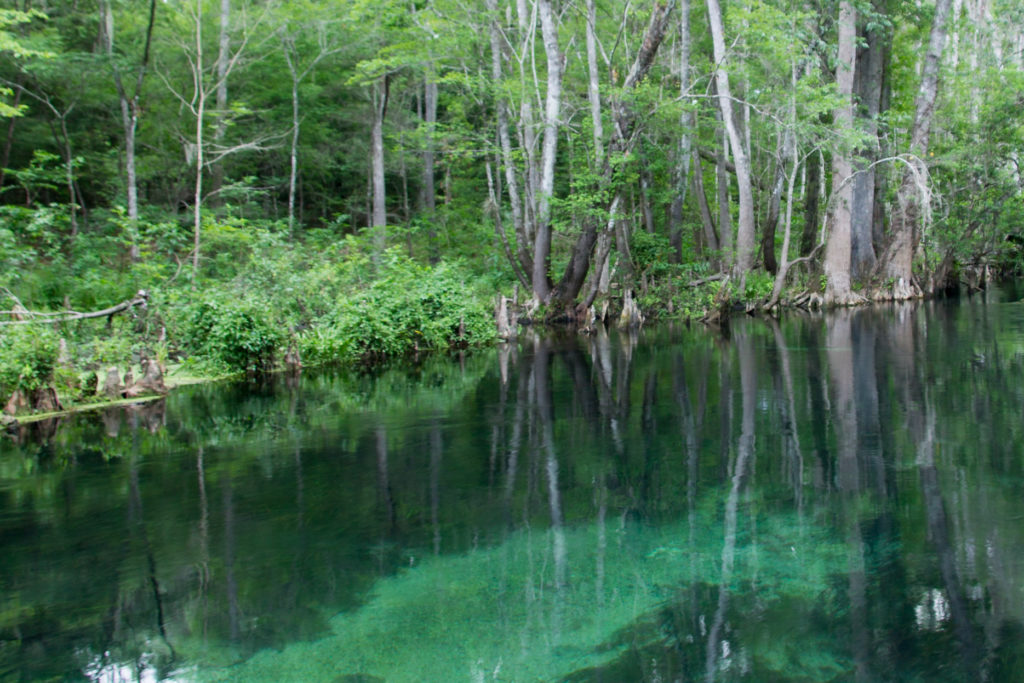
(830, 498)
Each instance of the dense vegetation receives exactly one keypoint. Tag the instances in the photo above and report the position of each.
(354, 180)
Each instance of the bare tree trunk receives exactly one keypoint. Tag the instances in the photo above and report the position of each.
(593, 81)
(552, 112)
(838, 249)
(744, 258)
(603, 255)
(808, 238)
(527, 127)
(787, 149)
(898, 258)
(223, 57)
(722, 183)
(774, 206)
(429, 189)
(682, 170)
(293, 157)
(523, 245)
(379, 218)
(706, 219)
(868, 80)
(200, 112)
(129, 113)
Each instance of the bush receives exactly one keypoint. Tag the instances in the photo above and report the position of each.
(28, 356)
(239, 336)
(411, 308)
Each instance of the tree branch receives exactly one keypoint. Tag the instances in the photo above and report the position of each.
(140, 299)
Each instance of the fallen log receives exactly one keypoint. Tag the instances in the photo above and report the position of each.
(141, 298)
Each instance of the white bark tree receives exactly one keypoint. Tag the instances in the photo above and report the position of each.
(745, 239)
(130, 109)
(838, 249)
(911, 209)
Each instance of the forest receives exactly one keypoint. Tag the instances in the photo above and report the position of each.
(221, 187)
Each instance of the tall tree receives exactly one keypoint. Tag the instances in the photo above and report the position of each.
(838, 250)
(621, 143)
(552, 112)
(744, 259)
(299, 70)
(912, 198)
(130, 104)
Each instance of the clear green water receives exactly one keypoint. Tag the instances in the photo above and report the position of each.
(823, 499)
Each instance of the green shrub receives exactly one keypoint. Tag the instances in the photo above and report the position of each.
(239, 336)
(758, 286)
(410, 308)
(28, 355)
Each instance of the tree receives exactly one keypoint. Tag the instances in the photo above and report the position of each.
(326, 45)
(838, 250)
(130, 108)
(744, 258)
(204, 79)
(913, 197)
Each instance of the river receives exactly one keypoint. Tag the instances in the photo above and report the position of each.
(821, 498)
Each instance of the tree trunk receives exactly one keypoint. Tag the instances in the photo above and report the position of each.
(706, 219)
(129, 105)
(868, 80)
(898, 259)
(223, 57)
(200, 112)
(523, 245)
(838, 249)
(593, 81)
(552, 112)
(744, 258)
(429, 190)
(808, 238)
(645, 197)
(527, 126)
(722, 183)
(682, 170)
(293, 157)
(774, 206)
(379, 218)
(621, 143)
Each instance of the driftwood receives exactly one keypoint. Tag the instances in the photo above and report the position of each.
(25, 317)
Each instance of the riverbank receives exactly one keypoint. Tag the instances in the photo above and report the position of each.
(176, 376)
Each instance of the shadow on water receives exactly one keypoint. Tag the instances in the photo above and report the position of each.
(821, 498)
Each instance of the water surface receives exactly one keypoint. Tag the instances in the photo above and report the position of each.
(816, 499)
